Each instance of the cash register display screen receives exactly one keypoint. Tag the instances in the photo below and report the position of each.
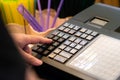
(99, 21)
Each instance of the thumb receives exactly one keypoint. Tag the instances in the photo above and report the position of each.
(30, 58)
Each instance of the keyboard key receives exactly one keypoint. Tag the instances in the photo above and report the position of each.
(56, 38)
(78, 40)
(60, 58)
(65, 54)
(52, 55)
(34, 48)
(67, 42)
(73, 45)
(84, 35)
(76, 28)
(66, 29)
(71, 26)
(88, 31)
(83, 42)
(89, 37)
(55, 32)
(40, 50)
(83, 30)
(73, 51)
(78, 34)
(62, 46)
(68, 49)
(72, 38)
(46, 52)
(57, 50)
(61, 28)
(78, 47)
(66, 36)
(72, 31)
(66, 24)
(51, 36)
(55, 44)
(61, 40)
(51, 48)
(39, 44)
(94, 33)
(60, 34)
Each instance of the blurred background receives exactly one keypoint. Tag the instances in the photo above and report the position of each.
(110, 2)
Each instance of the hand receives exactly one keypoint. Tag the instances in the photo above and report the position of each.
(44, 33)
(23, 40)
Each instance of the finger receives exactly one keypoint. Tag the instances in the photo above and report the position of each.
(27, 49)
(31, 59)
(47, 32)
(43, 33)
(31, 39)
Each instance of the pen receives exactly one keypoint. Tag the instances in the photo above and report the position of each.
(40, 12)
(48, 14)
(21, 9)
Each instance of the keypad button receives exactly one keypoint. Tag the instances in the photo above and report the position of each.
(61, 40)
(73, 51)
(89, 37)
(46, 52)
(78, 47)
(50, 48)
(57, 50)
(84, 35)
(60, 58)
(66, 24)
(72, 31)
(66, 29)
(45, 46)
(78, 40)
(83, 42)
(73, 45)
(94, 33)
(65, 54)
(72, 38)
(67, 42)
(60, 34)
(88, 31)
(55, 44)
(39, 45)
(66, 36)
(40, 50)
(62, 46)
(51, 36)
(71, 26)
(34, 48)
(52, 55)
(83, 30)
(56, 38)
(61, 28)
(78, 34)
(68, 49)
(55, 32)
(76, 28)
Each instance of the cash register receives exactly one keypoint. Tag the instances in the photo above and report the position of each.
(87, 46)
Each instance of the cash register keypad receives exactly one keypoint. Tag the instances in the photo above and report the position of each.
(68, 39)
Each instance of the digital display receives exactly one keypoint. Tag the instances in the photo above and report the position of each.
(99, 21)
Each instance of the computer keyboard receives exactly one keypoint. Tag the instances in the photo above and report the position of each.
(68, 39)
